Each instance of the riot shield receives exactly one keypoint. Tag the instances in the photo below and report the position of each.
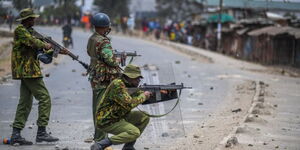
(162, 129)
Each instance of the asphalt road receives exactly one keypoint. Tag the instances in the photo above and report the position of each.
(71, 115)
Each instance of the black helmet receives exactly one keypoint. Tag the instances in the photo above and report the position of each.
(100, 20)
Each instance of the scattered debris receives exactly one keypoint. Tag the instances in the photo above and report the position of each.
(150, 67)
(30, 127)
(236, 110)
(196, 136)
(265, 143)
(84, 74)
(277, 147)
(146, 148)
(47, 75)
(177, 62)
(66, 148)
(250, 145)
(261, 99)
(57, 147)
(231, 142)
(89, 140)
(164, 134)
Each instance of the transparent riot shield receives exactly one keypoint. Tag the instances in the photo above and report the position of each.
(163, 129)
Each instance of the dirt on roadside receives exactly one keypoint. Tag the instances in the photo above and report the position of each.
(5, 54)
(209, 133)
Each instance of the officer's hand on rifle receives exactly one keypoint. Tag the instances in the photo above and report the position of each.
(64, 51)
(164, 91)
(48, 46)
(147, 94)
(118, 59)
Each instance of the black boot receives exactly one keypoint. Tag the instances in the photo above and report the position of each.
(42, 135)
(16, 138)
(101, 145)
(129, 146)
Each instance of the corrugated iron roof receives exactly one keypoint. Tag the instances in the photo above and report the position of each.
(263, 21)
(273, 30)
(254, 4)
(242, 31)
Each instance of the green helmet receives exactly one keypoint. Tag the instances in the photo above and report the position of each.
(27, 13)
(132, 71)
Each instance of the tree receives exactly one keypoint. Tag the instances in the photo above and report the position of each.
(66, 9)
(114, 8)
(21, 4)
(177, 9)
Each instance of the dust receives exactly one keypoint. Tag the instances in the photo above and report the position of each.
(209, 133)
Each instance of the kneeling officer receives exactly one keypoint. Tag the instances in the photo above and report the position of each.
(114, 113)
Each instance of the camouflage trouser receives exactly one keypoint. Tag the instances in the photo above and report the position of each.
(33, 87)
(97, 94)
(128, 129)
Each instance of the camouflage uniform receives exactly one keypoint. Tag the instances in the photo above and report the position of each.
(26, 67)
(104, 70)
(114, 113)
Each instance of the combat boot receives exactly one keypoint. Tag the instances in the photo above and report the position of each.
(129, 146)
(16, 138)
(101, 145)
(43, 136)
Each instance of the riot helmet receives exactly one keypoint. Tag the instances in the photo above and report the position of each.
(100, 20)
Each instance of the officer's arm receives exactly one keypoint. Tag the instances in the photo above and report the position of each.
(123, 98)
(27, 39)
(106, 53)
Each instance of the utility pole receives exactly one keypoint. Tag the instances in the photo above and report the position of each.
(219, 29)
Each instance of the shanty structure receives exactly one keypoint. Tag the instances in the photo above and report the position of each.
(274, 45)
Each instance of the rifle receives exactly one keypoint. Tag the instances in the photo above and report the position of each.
(122, 55)
(57, 48)
(162, 92)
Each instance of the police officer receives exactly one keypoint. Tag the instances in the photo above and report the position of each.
(67, 33)
(114, 113)
(105, 67)
(26, 67)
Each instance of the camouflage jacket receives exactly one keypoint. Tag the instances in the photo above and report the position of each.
(24, 62)
(117, 103)
(103, 63)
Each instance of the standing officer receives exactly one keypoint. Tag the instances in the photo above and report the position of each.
(105, 67)
(114, 113)
(26, 67)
